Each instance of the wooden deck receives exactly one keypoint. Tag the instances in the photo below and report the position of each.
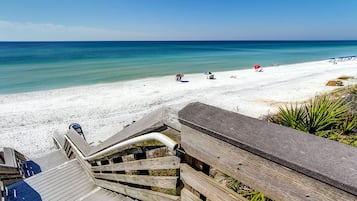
(282, 163)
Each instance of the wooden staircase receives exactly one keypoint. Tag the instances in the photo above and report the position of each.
(191, 151)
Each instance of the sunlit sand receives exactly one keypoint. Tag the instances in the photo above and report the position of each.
(28, 120)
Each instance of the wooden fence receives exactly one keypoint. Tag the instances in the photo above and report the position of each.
(147, 171)
(282, 163)
(10, 168)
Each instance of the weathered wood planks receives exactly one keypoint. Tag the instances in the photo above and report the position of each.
(325, 160)
(8, 170)
(141, 194)
(186, 195)
(168, 162)
(146, 180)
(211, 189)
(274, 180)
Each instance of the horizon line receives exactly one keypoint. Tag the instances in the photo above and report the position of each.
(259, 40)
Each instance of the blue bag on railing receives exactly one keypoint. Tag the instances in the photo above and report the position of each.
(78, 129)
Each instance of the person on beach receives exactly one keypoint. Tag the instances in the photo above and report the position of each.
(179, 77)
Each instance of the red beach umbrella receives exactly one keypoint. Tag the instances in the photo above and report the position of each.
(256, 66)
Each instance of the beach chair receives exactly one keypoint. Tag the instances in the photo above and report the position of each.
(210, 75)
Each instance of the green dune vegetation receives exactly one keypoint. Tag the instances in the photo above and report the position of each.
(332, 116)
(244, 190)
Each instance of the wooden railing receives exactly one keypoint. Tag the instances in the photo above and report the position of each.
(281, 163)
(10, 169)
(144, 171)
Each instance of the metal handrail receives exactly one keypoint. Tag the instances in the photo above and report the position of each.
(172, 145)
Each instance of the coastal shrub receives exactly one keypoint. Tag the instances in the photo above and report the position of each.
(256, 196)
(245, 191)
(232, 183)
(321, 113)
(349, 125)
(332, 116)
(291, 116)
(324, 113)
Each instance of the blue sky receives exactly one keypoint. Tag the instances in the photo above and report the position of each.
(42, 20)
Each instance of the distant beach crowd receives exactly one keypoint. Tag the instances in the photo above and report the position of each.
(339, 59)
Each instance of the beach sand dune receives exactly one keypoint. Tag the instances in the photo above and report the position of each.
(28, 120)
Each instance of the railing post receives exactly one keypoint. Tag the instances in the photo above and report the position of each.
(2, 192)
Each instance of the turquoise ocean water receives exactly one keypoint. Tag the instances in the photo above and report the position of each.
(32, 66)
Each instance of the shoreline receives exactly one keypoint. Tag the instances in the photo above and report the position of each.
(93, 85)
(29, 119)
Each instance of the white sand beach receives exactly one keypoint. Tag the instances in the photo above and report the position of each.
(28, 120)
